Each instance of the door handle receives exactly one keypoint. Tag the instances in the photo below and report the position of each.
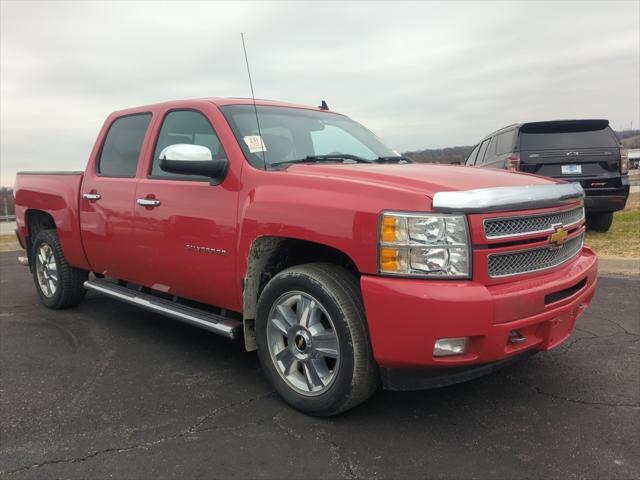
(148, 202)
(91, 196)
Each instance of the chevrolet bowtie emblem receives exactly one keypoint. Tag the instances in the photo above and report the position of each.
(559, 236)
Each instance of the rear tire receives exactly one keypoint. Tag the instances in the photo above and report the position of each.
(312, 339)
(600, 222)
(59, 285)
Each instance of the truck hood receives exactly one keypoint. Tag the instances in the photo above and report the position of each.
(421, 178)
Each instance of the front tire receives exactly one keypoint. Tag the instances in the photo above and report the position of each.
(59, 285)
(312, 339)
(600, 222)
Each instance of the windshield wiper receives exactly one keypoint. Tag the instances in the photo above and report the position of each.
(393, 159)
(333, 157)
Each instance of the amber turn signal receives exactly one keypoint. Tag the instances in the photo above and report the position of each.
(389, 231)
(389, 259)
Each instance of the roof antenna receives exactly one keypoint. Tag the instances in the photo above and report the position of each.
(323, 106)
(255, 108)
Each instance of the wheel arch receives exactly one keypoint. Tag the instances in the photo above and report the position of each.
(268, 256)
(35, 222)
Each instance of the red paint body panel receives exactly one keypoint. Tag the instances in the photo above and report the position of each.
(107, 224)
(58, 196)
(335, 205)
(407, 316)
(190, 213)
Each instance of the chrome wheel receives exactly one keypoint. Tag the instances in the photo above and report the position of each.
(46, 270)
(303, 343)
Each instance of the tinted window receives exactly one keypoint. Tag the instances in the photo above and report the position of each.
(483, 148)
(121, 148)
(185, 126)
(565, 140)
(295, 133)
(505, 142)
(491, 149)
(472, 156)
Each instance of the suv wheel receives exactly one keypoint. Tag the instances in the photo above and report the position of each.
(312, 339)
(59, 285)
(600, 222)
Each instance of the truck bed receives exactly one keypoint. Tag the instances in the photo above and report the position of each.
(55, 193)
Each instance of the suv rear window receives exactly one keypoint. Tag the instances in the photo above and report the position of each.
(565, 138)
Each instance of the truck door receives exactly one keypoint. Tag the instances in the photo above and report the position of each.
(107, 196)
(185, 234)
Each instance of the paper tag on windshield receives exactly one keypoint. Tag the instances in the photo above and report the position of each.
(255, 143)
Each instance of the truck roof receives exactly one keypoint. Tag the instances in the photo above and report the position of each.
(220, 102)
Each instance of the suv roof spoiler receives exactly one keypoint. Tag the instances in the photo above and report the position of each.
(563, 126)
(502, 199)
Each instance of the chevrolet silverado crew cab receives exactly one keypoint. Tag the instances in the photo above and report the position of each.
(581, 151)
(295, 228)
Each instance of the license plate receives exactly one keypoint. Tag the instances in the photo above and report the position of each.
(571, 169)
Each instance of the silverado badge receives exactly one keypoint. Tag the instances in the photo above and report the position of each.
(559, 236)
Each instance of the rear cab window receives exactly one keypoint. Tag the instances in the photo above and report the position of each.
(121, 148)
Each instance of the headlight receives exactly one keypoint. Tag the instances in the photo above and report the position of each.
(426, 245)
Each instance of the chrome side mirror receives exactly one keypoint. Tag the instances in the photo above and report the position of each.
(185, 152)
(187, 159)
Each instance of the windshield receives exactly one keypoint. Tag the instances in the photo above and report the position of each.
(295, 134)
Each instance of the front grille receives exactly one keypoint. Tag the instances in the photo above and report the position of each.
(530, 224)
(533, 260)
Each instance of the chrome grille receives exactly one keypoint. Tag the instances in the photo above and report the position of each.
(533, 260)
(529, 224)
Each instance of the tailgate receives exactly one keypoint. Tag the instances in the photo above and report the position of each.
(571, 163)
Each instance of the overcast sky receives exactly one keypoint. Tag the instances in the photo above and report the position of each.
(419, 74)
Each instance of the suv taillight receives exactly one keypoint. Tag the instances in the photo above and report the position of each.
(624, 161)
(513, 162)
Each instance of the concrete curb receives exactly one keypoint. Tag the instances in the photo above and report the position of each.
(10, 247)
(626, 266)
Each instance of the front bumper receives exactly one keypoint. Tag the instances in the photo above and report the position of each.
(406, 316)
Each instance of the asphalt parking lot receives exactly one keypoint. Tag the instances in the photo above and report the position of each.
(107, 390)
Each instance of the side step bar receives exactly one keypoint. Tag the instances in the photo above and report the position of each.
(219, 324)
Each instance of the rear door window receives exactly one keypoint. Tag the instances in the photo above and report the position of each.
(505, 141)
(481, 152)
(121, 147)
(491, 150)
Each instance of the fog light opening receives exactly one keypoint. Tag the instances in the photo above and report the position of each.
(445, 347)
(516, 337)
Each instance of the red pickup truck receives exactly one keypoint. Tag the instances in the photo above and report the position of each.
(343, 264)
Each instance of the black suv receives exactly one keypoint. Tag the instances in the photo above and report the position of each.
(584, 151)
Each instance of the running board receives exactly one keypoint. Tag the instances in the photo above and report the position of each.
(212, 322)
